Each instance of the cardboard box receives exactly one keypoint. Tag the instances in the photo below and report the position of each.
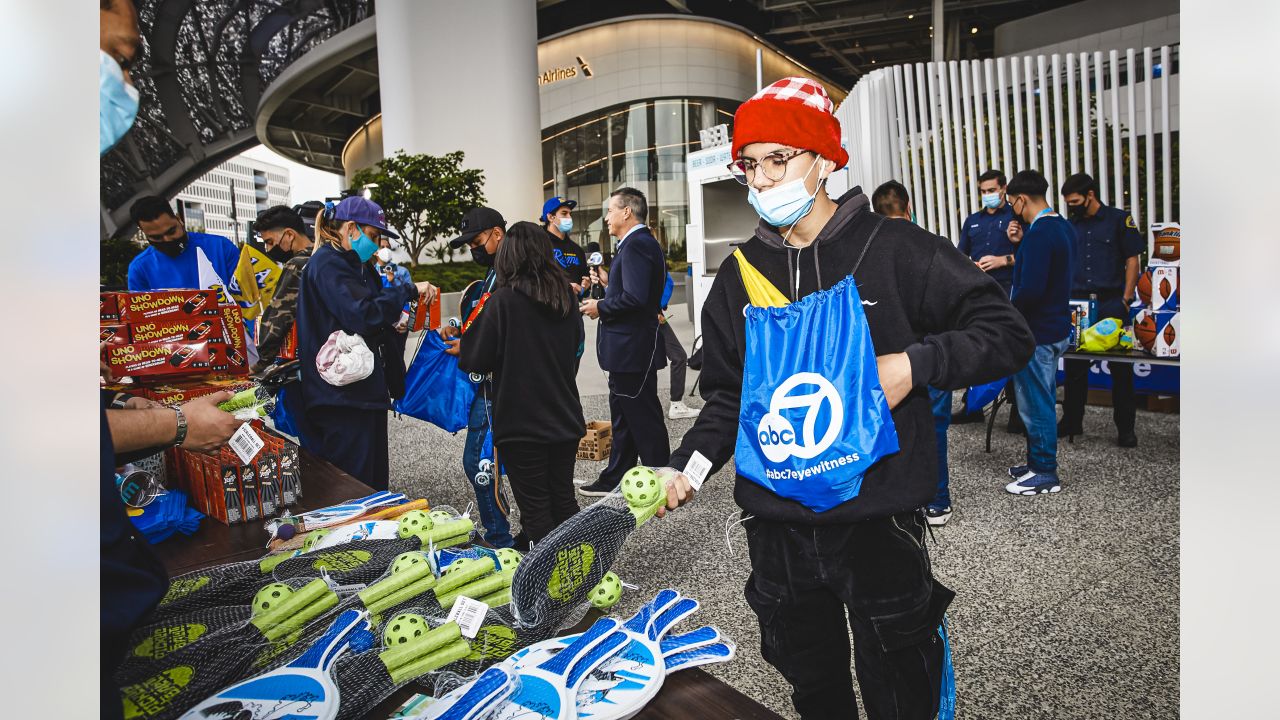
(1158, 332)
(109, 307)
(597, 443)
(177, 393)
(289, 348)
(237, 349)
(1166, 245)
(1164, 282)
(143, 360)
(1081, 319)
(113, 334)
(266, 465)
(178, 329)
(142, 306)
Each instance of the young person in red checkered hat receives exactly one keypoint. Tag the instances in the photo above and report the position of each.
(933, 319)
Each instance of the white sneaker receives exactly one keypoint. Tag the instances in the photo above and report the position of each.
(680, 411)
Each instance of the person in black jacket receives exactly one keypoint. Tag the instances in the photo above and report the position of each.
(340, 290)
(934, 319)
(526, 337)
(628, 342)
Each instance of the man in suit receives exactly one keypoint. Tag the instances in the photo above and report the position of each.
(627, 341)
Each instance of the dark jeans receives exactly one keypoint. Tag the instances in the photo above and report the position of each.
(639, 428)
(803, 581)
(1075, 388)
(490, 502)
(541, 477)
(353, 439)
(678, 358)
(941, 403)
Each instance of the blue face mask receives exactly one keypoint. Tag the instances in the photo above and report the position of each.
(786, 204)
(991, 201)
(566, 225)
(117, 103)
(363, 246)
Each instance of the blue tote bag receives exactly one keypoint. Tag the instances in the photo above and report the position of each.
(435, 390)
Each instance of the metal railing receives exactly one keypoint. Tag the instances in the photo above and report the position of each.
(936, 126)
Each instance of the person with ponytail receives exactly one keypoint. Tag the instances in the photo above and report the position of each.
(527, 337)
(341, 290)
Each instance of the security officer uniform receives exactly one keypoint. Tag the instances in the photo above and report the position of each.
(1104, 242)
(986, 233)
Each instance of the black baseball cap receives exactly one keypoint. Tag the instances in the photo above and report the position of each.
(475, 222)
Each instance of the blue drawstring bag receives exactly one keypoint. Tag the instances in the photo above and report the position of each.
(435, 390)
(981, 396)
(814, 418)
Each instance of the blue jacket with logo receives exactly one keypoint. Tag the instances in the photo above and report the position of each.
(153, 270)
(338, 292)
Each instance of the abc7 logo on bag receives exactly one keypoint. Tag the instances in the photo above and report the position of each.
(778, 437)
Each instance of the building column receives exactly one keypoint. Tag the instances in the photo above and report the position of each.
(462, 75)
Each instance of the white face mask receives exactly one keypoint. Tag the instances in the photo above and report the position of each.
(785, 204)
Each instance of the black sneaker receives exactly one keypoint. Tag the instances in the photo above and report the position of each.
(965, 418)
(937, 516)
(521, 542)
(596, 489)
(1127, 439)
(1065, 430)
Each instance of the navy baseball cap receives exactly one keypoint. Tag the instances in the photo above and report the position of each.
(476, 221)
(555, 204)
(363, 211)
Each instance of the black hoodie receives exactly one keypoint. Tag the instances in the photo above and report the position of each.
(532, 352)
(921, 295)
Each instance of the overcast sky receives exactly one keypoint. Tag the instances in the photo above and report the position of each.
(305, 183)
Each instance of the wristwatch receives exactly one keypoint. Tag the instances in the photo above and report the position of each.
(1008, 259)
(182, 427)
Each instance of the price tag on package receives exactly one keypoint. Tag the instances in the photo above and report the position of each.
(469, 614)
(697, 469)
(246, 444)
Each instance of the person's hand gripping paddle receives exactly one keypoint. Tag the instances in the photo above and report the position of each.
(553, 580)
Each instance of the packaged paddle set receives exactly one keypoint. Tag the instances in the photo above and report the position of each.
(231, 491)
(376, 595)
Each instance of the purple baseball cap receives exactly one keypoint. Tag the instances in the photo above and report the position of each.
(363, 211)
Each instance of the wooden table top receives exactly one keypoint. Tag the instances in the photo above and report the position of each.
(687, 694)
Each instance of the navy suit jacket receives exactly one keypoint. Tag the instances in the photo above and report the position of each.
(628, 332)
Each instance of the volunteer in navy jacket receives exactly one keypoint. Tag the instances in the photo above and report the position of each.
(933, 319)
(1108, 244)
(176, 258)
(341, 290)
(628, 345)
(984, 237)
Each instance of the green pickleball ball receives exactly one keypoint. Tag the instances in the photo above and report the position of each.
(270, 596)
(313, 537)
(413, 523)
(509, 558)
(403, 628)
(406, 560)
(641, 488)
(607, 594)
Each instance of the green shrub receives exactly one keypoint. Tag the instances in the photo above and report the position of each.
(449, 277)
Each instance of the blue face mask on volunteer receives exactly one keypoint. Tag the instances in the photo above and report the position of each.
(363, 246)
(786, 204)
(117, 103)
(566, 225)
